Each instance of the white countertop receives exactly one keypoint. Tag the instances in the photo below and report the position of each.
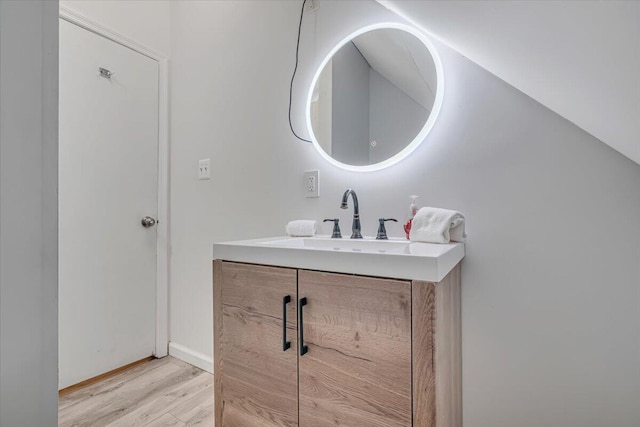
(394, 258)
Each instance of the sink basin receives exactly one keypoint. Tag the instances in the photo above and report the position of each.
(395, 258)
(344, 244)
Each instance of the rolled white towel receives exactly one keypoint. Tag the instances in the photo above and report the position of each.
(435, 225)
(301, 228)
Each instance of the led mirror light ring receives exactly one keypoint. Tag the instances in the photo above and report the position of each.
(437, 104)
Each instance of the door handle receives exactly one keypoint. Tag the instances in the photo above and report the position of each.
(303, 348)
(147, 222)
(286, 345)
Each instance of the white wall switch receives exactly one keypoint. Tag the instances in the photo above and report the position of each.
(204, 169)
(311, 184)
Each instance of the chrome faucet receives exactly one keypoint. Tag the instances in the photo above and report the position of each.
(355, 228)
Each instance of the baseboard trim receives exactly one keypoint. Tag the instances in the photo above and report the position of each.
(104, 376)
(191, 356)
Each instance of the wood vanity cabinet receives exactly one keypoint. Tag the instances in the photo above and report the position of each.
(256, 382)
(370, 352)
(357, 370)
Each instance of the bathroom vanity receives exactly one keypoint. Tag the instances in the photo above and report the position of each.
(337, 331)
(318, 331)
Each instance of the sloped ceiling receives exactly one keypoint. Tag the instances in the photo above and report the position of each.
(579, 58)
(403, 60)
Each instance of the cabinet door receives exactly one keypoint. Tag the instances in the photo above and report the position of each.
(256, 378)
(357, 370)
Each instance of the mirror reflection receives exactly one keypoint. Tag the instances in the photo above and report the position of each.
(373, 97)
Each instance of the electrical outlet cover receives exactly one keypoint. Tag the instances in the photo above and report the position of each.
(204, 169)
(311, 184)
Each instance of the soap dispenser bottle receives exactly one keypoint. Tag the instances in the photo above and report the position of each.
(413, 208)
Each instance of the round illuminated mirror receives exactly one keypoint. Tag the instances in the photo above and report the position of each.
(375, 97)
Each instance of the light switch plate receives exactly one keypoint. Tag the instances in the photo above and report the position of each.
(204, 169)
(311, 184)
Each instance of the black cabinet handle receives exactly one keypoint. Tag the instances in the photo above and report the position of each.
(286, 345)
(303, 348)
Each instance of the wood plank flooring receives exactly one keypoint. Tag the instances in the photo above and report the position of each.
(162, 392)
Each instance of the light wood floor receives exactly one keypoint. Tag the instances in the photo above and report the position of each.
(162, 392)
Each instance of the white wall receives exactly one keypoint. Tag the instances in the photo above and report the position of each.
(551, 309)
(28, 213)
(579, 58)
(145, 22)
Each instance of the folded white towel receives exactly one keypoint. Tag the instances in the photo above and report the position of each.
(435, 225)
(301, 228)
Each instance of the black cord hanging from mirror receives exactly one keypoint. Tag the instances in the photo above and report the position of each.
(294, 74)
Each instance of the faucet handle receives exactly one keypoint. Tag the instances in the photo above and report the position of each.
(336, 228)
(382, 231)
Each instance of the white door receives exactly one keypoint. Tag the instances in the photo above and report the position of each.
(107, 184)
